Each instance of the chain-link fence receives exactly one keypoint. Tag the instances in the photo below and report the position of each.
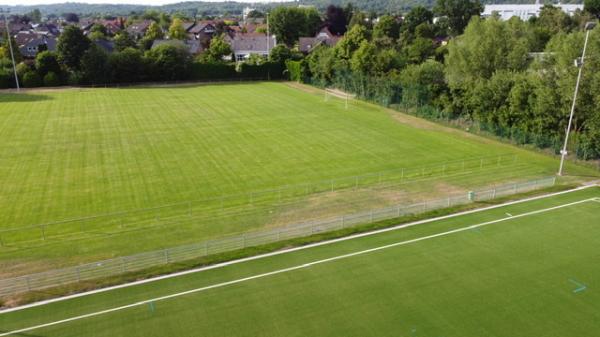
(142, 261)
(234, 206)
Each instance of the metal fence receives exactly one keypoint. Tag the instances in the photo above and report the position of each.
(192, 210)
(142, 261)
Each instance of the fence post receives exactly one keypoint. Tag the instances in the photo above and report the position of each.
(343, 221)
(331, 185)
(166, 253)
(43, 232)
(123, 268)
(448, 201)
(28, 283)
(78, 274)
(494, 194)
(371, 216)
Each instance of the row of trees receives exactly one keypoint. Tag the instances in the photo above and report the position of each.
(512, 78)
(79, 60)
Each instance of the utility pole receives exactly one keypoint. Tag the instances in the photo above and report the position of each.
(268, 36)
(12, 55)
(578, 63)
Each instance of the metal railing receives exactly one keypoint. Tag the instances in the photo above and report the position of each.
(121, 265)
(148, 217)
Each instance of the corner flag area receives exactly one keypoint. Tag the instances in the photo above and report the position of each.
(522, 269)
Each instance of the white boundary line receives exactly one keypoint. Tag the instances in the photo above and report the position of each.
(289, 269)
(290, 250)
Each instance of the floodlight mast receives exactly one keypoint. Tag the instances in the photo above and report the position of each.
(12, 55)
(578, 63)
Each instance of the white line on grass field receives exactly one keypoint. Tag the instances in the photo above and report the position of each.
(289, 269)
(291, 250)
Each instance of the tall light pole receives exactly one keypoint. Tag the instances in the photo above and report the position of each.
(12, 55)
(268, 37)
(578, 63)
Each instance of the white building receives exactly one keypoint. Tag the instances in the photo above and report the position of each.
(525, 12)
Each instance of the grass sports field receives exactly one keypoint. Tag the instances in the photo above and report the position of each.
(73, 153)
(525, 269)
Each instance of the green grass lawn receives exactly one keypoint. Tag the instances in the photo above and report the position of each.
(530, 269)
(72, 153)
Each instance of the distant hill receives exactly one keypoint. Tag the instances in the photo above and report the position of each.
(233, 8)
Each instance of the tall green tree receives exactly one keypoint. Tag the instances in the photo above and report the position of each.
(176, 30)
(217, 51)
(71, 46)
(415, 17)
(123, 40)
(386, 27)
(458, 12)
(351, 42)
(127, 65)
(290, 23)
(95, 68)
(593, 7)
(486, 47)
(46, 62)
(169, 62)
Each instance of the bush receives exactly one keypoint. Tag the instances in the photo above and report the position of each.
(4, 79)
(267, 71)
(213, 71)
(51, 80)
(75, 78)
(31, 79)
(296, 70)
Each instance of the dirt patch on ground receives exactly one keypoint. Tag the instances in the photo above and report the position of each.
(303, 87)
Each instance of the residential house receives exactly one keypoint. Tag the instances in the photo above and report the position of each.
(41, 42)
(137, 30)
(244, 45)
(203, 30)
(323, 37)
(113, 26)
(85, 24)
(106, 45)
(47, 29)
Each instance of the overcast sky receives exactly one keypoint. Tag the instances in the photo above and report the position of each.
(137, 2)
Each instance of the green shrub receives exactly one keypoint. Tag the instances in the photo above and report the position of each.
(31, 79)
(4, 78)
(213, 71)
(51, 80)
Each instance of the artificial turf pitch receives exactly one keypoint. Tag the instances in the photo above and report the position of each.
(75, 153)
(526, 269)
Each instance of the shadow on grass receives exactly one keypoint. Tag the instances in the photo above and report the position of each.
(22, 97)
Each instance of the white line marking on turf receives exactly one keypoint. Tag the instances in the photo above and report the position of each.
(289, 269)
(290, 250)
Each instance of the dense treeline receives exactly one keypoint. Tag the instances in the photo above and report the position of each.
(511, 78)
(78, 60)
(199, 8)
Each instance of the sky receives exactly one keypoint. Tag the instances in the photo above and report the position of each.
(136, 2)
